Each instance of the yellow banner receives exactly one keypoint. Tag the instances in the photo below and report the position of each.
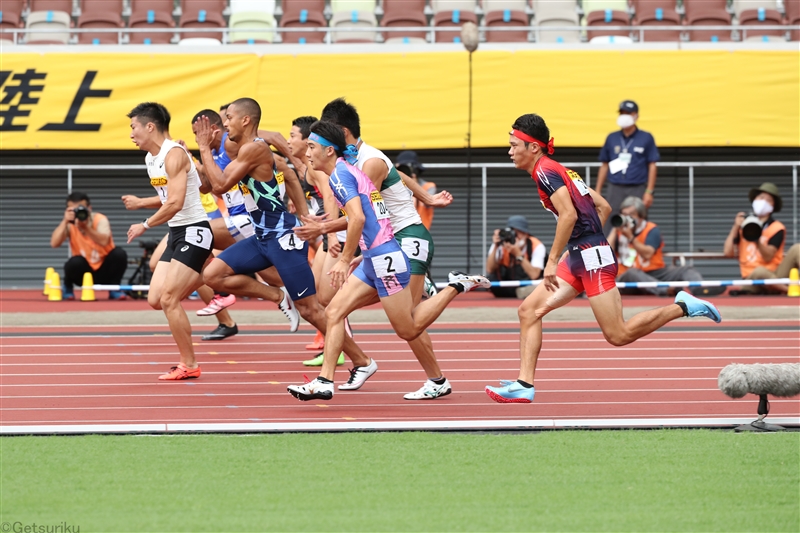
(414, 100)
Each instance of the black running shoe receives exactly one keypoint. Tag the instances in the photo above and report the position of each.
(221, 332)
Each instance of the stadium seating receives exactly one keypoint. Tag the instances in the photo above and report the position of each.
(443, 6)
(51, 5)
(502, 5)
(792, 11)
(549, 13)
(589, 6)
(199, 41)
(352, 5)
(753, 18)
(341, 20)
(505, 18)
(404, 13)
(657, 13)
(451, 19)
(191, 6)
(746, 5)
(10, 17)
(141, 17)
(91, 18)
(48, 20)
(707, 13)
(303, 14)
(193, 17)
(596, 20)
(249, 21)
(253, 6)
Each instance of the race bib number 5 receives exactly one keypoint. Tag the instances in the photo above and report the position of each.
(200, 237)
(389, 264)
(290, 241)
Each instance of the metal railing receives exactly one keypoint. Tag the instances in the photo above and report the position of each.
(735, 31)
(484, 169)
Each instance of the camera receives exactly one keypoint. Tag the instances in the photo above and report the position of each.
(507, 235)
(81, 213)
(751, 228)
(149, 245)
(622, 220)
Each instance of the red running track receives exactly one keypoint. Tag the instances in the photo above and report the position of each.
(108, 376)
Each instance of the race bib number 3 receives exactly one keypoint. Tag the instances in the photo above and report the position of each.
(389, 264)
(597, 257)
(290, 241)
(200, 237)
(415, 248)
(378, 205)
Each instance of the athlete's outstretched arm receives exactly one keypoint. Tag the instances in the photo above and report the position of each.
(279, 141)
(133, 203)
(440, 199)
(177, 166)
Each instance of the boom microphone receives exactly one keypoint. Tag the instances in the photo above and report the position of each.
(783, 380)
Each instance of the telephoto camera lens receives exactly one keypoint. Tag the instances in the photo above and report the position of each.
(81, 213)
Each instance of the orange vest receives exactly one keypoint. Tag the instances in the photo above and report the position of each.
(425, 212)
(80, 244)
(656, 260)
(507, 266)
(749, 256)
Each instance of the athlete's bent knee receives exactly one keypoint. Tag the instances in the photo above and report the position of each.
(618, 338)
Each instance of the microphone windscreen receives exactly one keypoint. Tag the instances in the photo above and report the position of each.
(781, 380)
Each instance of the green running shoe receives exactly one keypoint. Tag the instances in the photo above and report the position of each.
(317, 361)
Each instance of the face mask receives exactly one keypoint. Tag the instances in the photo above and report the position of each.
(761, 207)
(625, 121)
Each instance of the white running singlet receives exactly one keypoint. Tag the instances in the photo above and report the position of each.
(192, 211)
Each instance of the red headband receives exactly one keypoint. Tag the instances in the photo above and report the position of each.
(528, 139)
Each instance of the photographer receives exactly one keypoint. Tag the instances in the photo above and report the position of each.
(91, 246)
(758, 240)
(408, 163)
(514, 255)
(639, 248)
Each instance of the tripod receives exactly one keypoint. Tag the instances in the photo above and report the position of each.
(142, 274)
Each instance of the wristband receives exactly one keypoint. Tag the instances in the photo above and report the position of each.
(144, 223)
(520, 258)
(649, 191)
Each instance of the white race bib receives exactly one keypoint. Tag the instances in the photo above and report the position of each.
(244, 225)
(378, 205)
(249, 202)
(290, 241)
(199, 236)
(578, 182)
(597, 257)
(415, 248)
(389, 264)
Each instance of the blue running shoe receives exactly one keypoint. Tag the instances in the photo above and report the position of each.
(511, 393)
(698, 307)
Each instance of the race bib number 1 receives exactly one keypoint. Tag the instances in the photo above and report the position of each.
(389, 264)
(290, 241)
(597, 257)
(200, 237)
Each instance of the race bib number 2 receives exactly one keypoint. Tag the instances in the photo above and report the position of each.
(389, 264)
(200, 237)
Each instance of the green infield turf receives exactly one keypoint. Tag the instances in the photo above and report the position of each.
(665, 480)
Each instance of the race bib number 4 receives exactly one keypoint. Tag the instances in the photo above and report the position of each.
(290, 241)
(415, 248)
(389, 264)
(578, 182)
(378, 205)
(200, 237)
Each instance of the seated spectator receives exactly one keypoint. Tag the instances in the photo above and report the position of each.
(91, 246)
(514, 255)
(759, 251)
(639, 247)
(408, 163)
(791, 259)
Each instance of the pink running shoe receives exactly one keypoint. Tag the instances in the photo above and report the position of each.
(217, 304)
